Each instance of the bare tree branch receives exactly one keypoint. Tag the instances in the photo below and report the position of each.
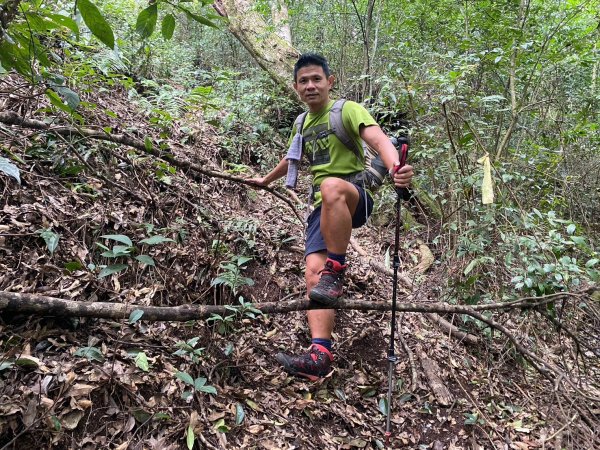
(11, 118)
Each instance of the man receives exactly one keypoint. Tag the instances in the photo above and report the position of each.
(340, 200)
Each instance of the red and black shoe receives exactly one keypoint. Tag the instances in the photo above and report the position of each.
(331, 284)
(312, 365)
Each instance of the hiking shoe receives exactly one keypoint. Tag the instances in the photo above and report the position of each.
(330, 286)
(312, 365)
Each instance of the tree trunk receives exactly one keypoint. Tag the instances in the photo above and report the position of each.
(272, 52)
(279, 13)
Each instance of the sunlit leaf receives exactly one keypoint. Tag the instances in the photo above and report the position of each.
(141, 361)
(96, 23)
(51, 238)
(10, 169)
(208, 390)
(185, 377)
(190, 438)
(145, 259)
(109, 270)
(119, 238)
(135, 315)
(239, 414)
(383, 406)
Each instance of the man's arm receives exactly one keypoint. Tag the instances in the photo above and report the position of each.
(375, 138)
(279, 171)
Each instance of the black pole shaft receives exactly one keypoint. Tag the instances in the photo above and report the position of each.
(391, 353)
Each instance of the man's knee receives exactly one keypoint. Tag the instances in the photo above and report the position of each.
(334, 189)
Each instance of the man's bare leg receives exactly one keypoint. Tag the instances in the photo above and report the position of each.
(320, 321)
(340, 199)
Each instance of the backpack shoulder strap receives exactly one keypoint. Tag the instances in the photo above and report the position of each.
(337, 126)
(299, 122)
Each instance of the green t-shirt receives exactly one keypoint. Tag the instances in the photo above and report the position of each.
(327, 155)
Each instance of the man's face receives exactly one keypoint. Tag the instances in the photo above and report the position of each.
(313, 86)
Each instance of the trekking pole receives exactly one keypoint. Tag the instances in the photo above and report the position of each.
(391, 354)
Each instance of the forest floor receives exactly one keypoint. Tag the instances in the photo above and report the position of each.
(86, 383)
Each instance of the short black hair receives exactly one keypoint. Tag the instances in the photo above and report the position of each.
(311, 59)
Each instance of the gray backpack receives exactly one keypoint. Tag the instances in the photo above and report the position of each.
(375, 171)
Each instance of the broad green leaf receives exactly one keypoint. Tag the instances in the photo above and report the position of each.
(115, 268)
(140, 415)
(135, 315)
(208, 390)
(168, 26)
(221, 426)
(239, 414)
(141, 361)
(243, 260)
(119, 238)
(10, 169)
(571, 228)
(146, 21)
(383, 406)
(121, 249)
(72, 266)
(470, 267)
(190, 438)
(199, 382)
(96, 23)
(64, 21)
(14, 57)
(27, 361)
(145, 259)
(70, 97)
(57, 101)
(153, 240)
(148, 144)
(252, 404)
(90, 353)
(185, 377)
(51, 239)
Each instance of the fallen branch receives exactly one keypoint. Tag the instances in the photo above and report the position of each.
(42, 305)
(11, 118)
(51, 306)
(426, 261)
(452, 329)
(432, 373)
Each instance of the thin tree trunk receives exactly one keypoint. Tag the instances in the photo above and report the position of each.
(279, 13)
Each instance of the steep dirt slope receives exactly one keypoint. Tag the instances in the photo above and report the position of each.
(89, 383)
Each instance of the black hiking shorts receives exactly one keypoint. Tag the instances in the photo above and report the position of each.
(314, 239)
